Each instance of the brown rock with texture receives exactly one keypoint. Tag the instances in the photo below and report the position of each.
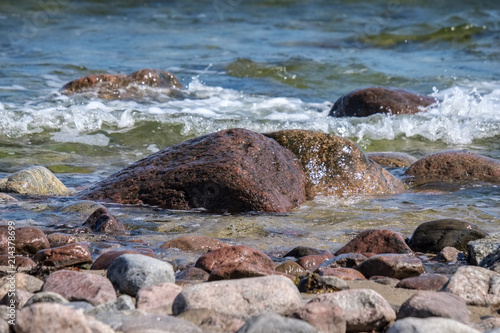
(66, 255)
(336, 166)
(424, 282)
(79, 286)
(101, 220)
(105, 259)
(435, 235)
(325, 317)
(234, 254)
(28, 240)
(426, 304)
(376, 241)
(194, 243)
(116, 86)
(20, 261)
(398, 266)
(454, 167)
(392, 159)
(313, 261)
(291, 268)
(232, 170)
(238, 270)
(368, 101)
(57, 239)
(349, 260)
(51, 317)
(343, 273)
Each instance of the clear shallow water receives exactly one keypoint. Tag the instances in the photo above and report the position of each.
(265, 66)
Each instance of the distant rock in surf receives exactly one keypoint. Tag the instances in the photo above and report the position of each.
(37, 180)
(368, 101)
(336, 166)
(454, 167)
(119, 86)
(232, 170)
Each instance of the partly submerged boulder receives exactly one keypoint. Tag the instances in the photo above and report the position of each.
(368, 101)
(232, 170)
(116, 86)
(37, 180)
(336, 166)
(454, 166)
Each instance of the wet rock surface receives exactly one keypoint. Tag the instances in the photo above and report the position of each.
(234, 254)
(28, 240)
(336, 166)
(194, 243)
(66, 255)
(435, 235)
(232, 170)
(131, 272)
(35, 181)
(313, 261)
(397, 266)
(454, 167)
(392, 159)
(79, 286)
(118, 86)
(368, 101)
(102, 221)
(376, 241)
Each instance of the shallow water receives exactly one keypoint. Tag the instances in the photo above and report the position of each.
(262, 65)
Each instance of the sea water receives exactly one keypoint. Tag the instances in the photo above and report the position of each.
(262, 65)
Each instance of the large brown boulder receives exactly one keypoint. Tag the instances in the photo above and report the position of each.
(116, 86)
(336, 166)
(232, 170)
(368, 101)
(454, 166)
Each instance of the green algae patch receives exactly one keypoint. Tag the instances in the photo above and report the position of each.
(65, 168)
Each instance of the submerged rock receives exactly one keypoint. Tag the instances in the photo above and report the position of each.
(232, 170)
(194, 243)
(454, 167)
(336, 166)
(34, 181)
(433, 236)
(392, 159)
(116, 86)
(101, 220)
(368, 101)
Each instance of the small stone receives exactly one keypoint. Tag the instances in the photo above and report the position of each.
(28, 240)
(476, 285)
(101, 220)
(194, 243)
(51, 317)
(456, 166)
(232, 254)
(384, 280)
(66, 255)
(159, 323)
(479, 249)
(192, 274)
(302, 251)
(19, 298)
(376, 241)
(324, 317)
(157, 299)
(291, 268)
(429, 325)
(435, 235)
(131, 272)
(424, 282)
(349, 260)
(311, 262)
(37, 180)
(238, 270)
(46, 297)
(392, 159)
(57, 239)
(121, 303)
(242, 298)
(105, 259)
(435, 304)
(373, 100)
(364, 309)
(276, 323)
(317, 284)
(79, 286)
(343, 273)
(399, 266)
(20, 261)
(449, 254)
